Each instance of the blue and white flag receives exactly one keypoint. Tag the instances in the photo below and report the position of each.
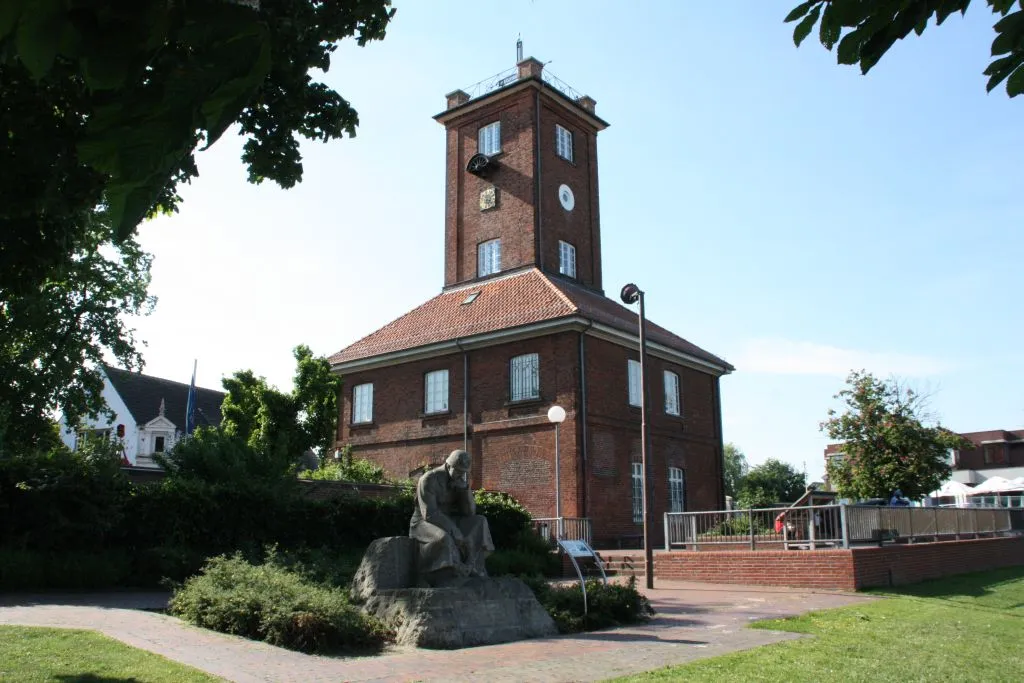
(190, 404)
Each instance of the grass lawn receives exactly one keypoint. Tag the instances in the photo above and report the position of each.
(966, 628)
(53, 654)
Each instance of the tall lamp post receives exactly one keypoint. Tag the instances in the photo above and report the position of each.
(632, 294)
(556, 414)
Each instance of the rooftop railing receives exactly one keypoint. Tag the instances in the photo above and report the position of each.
(510, 76)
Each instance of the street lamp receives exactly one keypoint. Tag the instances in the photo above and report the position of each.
(632, 294)
(556, 414)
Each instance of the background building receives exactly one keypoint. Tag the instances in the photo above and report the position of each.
(150, 412)
(522, 323)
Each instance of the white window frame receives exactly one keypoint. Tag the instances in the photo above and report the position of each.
(435, 392)
(563, 142)
(524, 377)
(489, 139)
(633, 380)
(362, 403)
(488, 257)
(566, 259)
(638, 492)
(672, 403)
(676, 489)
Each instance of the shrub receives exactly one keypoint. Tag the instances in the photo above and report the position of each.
(505, 515)
(528, 555)
(356, 470)
(608, 604)
(272, 603)
(24, 570)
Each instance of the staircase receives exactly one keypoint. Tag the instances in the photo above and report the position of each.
(623, 562)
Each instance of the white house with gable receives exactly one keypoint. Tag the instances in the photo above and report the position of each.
(149, 415)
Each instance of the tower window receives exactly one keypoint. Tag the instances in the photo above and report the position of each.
(436, 392)
(488, 258)
(566, 259)
(563, 142)
(671, 393)
(489, 140)
(638, 493)
(524, 376)
(362, 403)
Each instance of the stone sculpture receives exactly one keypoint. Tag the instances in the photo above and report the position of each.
(453, 540)
(432, 586)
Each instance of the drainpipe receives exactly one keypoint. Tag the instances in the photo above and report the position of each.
(465, 395)
(581, 414)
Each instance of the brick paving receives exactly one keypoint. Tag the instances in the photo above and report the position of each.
(693, 621)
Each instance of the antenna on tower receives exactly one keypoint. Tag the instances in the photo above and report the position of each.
(519, 48)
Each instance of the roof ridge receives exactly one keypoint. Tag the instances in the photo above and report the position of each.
(558, 291)
(107, 367)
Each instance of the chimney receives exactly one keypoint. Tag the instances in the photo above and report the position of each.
(530, 68)
(457, 98)
(587, 102)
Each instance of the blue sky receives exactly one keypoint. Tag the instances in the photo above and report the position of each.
(779, 210)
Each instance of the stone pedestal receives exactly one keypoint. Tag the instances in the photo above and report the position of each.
(470, 611)
(480, 611)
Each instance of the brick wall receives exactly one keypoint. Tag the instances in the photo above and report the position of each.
(856, 568)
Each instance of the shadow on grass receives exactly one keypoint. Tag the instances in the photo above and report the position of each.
(977, 584)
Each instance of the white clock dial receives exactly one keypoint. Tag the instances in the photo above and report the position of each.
(566, 198)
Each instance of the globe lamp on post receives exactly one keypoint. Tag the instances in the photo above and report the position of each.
(556, 414)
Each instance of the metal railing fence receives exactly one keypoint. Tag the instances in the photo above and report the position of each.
(553, 529)
(823, 526)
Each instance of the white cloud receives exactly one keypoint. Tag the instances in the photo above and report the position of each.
(791, 357)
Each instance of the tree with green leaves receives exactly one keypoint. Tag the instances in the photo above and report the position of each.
(862, 31)
(886, 443)
(284, 425)
(734, 469)
(771, 483)
(53, 338)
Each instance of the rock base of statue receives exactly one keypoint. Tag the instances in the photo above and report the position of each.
(464, 612)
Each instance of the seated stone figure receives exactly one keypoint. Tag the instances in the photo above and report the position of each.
(453, 540)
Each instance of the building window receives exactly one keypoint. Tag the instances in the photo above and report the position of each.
(566, 259)
(362, 403)
(488, 258)
(634, 382)
(638, 493)
(671, 393)
(435, 391)
(158, 444)
(563, 142)
(989, 452)
(524, 375)
(676, 490)
(489, 141)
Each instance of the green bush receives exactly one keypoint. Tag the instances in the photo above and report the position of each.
(528, 555)
(608, 604)
(25, 570)
(506, 517)
(272, 603)
(355, 470)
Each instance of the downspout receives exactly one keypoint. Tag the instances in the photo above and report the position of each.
(536, 182)
(721, 443)
(582, 413)
(465, 395)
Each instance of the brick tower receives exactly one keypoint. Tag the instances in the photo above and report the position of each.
(522, 324)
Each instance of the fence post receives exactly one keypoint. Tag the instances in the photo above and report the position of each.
(844, 525)
(668, 542)
(750, 520)
(957, 516)
(692, 523)
(811, 535)
(936, 515)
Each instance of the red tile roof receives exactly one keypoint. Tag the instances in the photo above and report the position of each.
(518, 299)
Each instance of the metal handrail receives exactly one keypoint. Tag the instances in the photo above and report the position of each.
(554, 529)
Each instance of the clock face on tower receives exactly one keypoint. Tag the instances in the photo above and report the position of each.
(566, 197)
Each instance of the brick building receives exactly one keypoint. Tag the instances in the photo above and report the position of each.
(522, 324)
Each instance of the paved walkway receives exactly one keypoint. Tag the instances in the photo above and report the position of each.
(694, 621)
